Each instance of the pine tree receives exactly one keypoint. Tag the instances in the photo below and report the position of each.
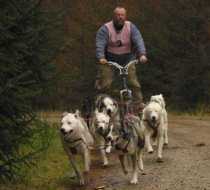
(27, 45)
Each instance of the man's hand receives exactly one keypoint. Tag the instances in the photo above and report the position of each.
(143, 59)
(103, 61)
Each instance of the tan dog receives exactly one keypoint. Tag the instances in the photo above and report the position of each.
(130, 142)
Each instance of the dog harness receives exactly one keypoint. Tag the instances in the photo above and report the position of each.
(125, 149)
(153, 127)
(73, 149)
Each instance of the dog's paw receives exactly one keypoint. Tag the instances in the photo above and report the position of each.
(159, 160)
(86, 177)
(82, 182)
(105, 164)
(134, 181)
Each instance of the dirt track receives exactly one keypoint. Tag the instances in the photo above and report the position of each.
(186, 163)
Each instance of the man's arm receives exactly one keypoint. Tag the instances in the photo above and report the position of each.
(102, 37)
(137, 41)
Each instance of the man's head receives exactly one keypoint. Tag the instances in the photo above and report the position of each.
(119, 17)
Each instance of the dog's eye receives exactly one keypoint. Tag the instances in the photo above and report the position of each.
(69, 123)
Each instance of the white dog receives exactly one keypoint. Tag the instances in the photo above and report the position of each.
(130, 142)
(102, 129)
(76, 139)
(156, 124)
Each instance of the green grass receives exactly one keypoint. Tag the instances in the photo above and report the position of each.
(51, 171)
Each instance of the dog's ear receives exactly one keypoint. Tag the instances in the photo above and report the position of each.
(98, 102)
(163, 101)
(77, 113)
(163, 104)
(64, 114)
(104, 111)
(96, 111)
(116, 104)
(101, 107)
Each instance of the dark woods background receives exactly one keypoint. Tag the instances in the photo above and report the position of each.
(47, 62)
(176, 34)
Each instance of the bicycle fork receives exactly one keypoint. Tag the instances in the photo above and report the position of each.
(125, 97)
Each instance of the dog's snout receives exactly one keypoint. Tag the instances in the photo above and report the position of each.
(153, 118)
(71, 131)
(62, 130)
(101, 128)
(109, 138)
(109, 111)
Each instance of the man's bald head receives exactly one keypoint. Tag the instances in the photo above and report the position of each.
(119, 17)
(121, 10)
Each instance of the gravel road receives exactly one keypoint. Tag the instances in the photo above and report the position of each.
(186, 163)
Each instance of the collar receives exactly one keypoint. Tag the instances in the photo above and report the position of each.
(151, 125)
(73, 141)
(154, 127)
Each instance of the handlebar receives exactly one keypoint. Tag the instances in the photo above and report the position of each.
(123, 70)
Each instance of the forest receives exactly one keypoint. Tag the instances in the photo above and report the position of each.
(47, 62)
(176, 35)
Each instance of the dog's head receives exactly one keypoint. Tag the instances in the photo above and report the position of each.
(69, 123)
(159, 99)
(152, 113)
(106, 103)
(102, 125)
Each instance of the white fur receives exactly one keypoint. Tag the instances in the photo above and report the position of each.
(110, 106)
(75, 134)
(102, 130)
(154, 114)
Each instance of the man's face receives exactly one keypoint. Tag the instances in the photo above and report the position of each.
(119, 17)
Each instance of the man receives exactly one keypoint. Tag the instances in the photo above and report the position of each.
(120, 41)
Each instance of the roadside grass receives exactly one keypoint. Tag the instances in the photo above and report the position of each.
(200, 112)
(51, 170)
